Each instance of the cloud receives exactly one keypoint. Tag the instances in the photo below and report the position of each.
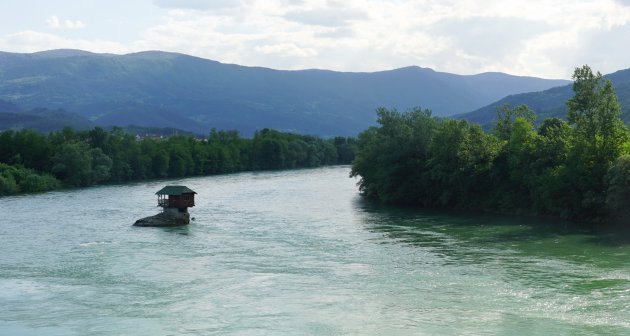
(55, 22)
(605, 49)
(488, 37)
(337, 33)
(197, 4)
(286, 50)
(32, 41)
(327, 17)
(73, 24)
(546, 38)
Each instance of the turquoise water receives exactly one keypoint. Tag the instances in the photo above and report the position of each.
(298, 253)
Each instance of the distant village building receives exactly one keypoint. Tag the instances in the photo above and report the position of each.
(176, 198)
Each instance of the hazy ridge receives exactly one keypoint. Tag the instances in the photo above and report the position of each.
(159, 89)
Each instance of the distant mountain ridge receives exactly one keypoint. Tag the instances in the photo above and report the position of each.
(552, 102)
(160, 89)
(39, 119)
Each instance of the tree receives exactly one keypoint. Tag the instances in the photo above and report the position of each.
(364, 164)
(444, 164)
(124, 151)
(8, 185)
(551, 188)
(76, 164)
(180, 160)
(346, 148)
(520, 150)
(618, 193)
(506, 116)
(271, 153)
(595, 112)
(160, 163)
(599, 137)
(73, 164)
(553, 143)
(97, 137)
(391, 159)
(477, 156)
(101, 165)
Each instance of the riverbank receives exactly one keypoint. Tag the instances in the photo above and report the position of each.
(34, 162)
(577, 170)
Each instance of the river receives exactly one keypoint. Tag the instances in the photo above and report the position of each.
(298, 253)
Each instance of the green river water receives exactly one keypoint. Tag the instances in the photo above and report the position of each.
(298, 253)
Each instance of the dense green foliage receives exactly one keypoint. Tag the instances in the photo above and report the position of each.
(162, 89)
(16, 179)
(32, 161)
(576, 170)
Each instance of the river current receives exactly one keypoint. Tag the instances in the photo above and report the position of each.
(298, 253)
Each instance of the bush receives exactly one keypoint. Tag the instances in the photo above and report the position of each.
(618, 193)
(8, 185)
(16, 179)
(38, 183)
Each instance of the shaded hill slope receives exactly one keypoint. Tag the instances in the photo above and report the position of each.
(158, 89)
(551, 103)
(43, 120)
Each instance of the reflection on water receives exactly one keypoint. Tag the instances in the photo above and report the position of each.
(299, 252)
(560, 265)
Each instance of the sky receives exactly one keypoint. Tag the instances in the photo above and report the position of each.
(542, 38)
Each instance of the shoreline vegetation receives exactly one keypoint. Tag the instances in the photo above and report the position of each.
(577, 170)
(35, 162)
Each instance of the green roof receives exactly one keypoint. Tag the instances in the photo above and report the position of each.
(175, 190)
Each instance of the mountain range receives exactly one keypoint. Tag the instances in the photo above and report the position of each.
(552, 102)
(160, 89)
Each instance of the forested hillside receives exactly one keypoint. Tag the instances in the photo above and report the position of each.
(159, 89)
(39, 119)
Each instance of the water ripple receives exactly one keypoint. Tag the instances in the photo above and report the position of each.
(297, 252)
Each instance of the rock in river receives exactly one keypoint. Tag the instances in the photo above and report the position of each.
(165, 219)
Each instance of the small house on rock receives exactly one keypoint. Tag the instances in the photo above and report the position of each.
(176, 198)
(175, 201)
